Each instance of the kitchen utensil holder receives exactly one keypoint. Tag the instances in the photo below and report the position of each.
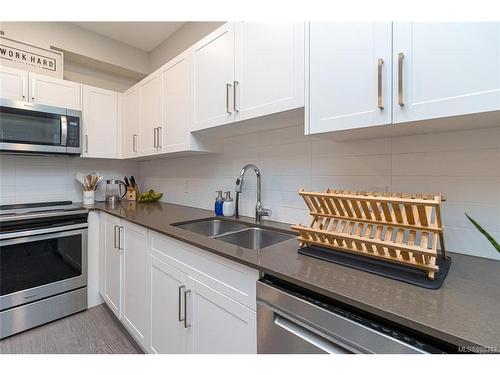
(395, 227)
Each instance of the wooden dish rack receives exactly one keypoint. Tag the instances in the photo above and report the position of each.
(394, 227)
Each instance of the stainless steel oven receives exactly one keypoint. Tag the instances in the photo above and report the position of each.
(43, 268)
(34, 128)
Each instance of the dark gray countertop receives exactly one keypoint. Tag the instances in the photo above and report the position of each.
(465, 311)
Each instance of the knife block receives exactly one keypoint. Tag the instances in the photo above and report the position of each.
(131, 194)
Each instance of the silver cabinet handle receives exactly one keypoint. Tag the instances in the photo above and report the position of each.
(186, 324)
(86, 143)
(154, 137)
(24, 87)
(114, 237)
(228, 88)
(181, 289)
(235, 83)
(401, 57)
(380, 63)
(158, 141)
(120, 238)
(134, 143)
(33, 89)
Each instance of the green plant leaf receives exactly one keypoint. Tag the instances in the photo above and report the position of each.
(484, 233)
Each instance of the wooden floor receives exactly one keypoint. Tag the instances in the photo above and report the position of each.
(94, 331)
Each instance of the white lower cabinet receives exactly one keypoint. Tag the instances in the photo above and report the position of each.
(135, 256)
(111, 291)
(217, 324)
(173, 297)
(187, 315)
(167, 285)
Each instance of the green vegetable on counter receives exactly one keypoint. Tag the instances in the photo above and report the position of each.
(150, 196)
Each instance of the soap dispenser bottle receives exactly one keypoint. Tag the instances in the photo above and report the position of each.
(228, 206)
(219, 202)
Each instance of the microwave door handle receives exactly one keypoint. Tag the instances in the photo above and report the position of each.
(64, 130)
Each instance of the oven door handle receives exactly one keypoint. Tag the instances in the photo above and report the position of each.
(24, 235)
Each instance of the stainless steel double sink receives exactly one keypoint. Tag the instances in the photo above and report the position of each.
(249, 237)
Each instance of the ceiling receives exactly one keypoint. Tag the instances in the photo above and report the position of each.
(143, 35)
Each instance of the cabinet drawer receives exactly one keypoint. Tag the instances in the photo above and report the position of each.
(230, 278)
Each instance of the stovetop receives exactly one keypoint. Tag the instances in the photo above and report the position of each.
(42, 209)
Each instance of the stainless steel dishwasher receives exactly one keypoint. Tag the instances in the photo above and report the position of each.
(292, 320)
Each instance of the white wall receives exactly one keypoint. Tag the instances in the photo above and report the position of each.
(185, 37)
(25, 179)
(464, 166)
(70, 37)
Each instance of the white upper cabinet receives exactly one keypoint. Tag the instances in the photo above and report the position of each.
(13, 84)
(54, 92)
(100, 123)
(349, 75)
(445, 69)
(130, 122)
(176, 96)
(212, 67)
(150, 114)
(269, 75)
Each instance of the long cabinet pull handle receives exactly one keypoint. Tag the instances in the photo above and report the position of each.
(180, 317)
(120, 238)
(186, 324)
(33, 89)
(154, 137)
(228, 89)
(134, 143)
(401, 57)
(24, 87)
(87, 143)
(380, 104)
(235, 83)
(114, 236)
(158, 140)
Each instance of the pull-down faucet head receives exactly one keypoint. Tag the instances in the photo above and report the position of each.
(259, 210)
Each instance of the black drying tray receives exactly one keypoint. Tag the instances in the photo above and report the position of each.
(394, 271)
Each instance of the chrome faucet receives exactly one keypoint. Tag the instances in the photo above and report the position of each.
(259, 210)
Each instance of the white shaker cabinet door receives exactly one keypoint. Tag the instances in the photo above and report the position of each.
(150, 113)
(113, 265)
(176, 96)
(269, 74)
(445, 69)
(100, 123)
(217, 323)
(13, 84)
(130, 121)
(212, 68)
(135, 257)
(166, 314)
(349, 75)
(54, 92)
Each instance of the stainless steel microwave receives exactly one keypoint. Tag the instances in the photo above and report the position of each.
(40, 129)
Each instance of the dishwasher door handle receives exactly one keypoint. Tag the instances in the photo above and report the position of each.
(306, 334)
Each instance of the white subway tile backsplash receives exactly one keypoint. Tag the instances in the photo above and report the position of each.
(462, 165)
(27, 179)
(448, 163)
